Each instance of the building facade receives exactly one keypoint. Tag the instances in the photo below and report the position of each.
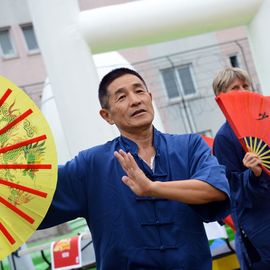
(179, 72)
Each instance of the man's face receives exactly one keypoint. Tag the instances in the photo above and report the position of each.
(129, 104)
(238, 85)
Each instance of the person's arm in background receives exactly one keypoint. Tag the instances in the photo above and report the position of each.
(241, 170)
(253, 162)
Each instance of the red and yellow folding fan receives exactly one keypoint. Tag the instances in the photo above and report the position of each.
(28, 167)
(248, 114)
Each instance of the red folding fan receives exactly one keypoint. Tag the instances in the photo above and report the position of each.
(248, 114)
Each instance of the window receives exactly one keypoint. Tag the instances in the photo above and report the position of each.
(179, 81)
(234, 61)
(6, 46)
(30, 38)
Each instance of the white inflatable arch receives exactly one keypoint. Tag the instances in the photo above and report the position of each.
(67, 38)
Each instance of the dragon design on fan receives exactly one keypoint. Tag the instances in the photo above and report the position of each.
(31, 153)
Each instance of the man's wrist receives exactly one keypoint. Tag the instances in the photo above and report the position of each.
(153, 188)
(257, 172)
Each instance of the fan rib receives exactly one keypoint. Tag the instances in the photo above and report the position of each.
(265, 158)
(16, 210)
(251, 144)
(23, 143)
(246, 142)
(259, 145)
(6, 233)
(260, 151)
(15, 121)
(265, 153)
(267, 166)
(266, 162)
(24, 188)
(32, 166)
(255, 145)
(5, 96)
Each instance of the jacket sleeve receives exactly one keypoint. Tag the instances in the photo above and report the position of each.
(69, 201)
(205, 167)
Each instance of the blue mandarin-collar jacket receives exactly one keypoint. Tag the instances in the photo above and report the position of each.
(250, 195)
(131, 232)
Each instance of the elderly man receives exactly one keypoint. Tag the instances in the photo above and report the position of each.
(144, 194)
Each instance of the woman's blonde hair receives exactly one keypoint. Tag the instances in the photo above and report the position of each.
(225, 78)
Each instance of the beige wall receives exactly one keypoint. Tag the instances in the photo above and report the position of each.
(24, 68)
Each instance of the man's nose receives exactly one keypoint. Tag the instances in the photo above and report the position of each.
(134, 99)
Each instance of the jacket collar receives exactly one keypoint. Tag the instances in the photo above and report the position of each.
(129, 146)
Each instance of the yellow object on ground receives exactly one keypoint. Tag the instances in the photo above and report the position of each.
(228, 262)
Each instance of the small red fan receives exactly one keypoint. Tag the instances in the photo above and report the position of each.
(248, 114)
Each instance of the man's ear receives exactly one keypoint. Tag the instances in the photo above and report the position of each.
(105, 114)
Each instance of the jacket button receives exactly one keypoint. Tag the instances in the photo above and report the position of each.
(161, 247)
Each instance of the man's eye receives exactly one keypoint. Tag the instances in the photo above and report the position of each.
(120, 97)
(140, 91)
